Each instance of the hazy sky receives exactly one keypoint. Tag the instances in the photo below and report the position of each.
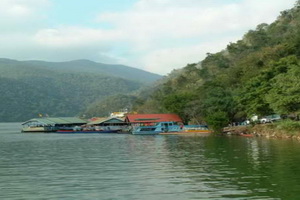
(154, 35)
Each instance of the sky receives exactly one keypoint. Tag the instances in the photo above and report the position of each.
(153, 35)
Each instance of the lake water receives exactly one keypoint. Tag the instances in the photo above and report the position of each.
(130, 167)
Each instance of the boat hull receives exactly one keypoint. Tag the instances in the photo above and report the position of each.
(149, 132)
(191, 133)
(85, 132)
(145, 133)
(36, 129)
(156, 129)
(191, 130)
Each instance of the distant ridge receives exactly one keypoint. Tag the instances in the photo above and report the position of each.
(89, 66)
(31, 88)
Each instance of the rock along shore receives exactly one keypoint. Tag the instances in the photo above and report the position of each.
(261, 130)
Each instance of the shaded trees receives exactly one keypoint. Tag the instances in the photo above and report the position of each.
(178, 103)
(284, 95)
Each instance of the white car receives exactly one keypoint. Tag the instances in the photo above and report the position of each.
(265, 120)
(269, 119)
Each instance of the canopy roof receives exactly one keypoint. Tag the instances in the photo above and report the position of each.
(106, 120)
(57, 120)
(146, 118)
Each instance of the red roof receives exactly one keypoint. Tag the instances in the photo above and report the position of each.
(146, 118)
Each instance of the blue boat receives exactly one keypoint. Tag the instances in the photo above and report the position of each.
(160, 127)
(191, 130)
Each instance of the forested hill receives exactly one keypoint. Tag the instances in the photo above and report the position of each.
(258, 74)
(59, 89)
(88, 66)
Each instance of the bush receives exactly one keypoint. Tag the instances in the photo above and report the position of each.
(288, 125)
(217, 120)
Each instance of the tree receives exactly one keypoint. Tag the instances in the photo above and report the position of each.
(251, 97)
(217, 120)
(177, 103)
(284, 96)
(217, 105)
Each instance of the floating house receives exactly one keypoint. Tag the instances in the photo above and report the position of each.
(51, 124)
(108, 123)
(150, 119)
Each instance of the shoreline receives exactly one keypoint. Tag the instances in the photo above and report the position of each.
(262, 130)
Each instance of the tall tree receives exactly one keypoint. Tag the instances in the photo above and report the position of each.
(284, 95)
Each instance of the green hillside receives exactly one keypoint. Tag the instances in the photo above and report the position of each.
(28, 89)
(258, 74)
(110, 104)
(121, 71)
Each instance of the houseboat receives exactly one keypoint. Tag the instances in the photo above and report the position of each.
(110, 123)
(51, 124)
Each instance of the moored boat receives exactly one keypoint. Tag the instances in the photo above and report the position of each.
(246, 135)
(191, 130)
(166, 127)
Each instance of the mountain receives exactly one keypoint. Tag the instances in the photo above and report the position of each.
(88, 66)
(257, 75)
(30, 88)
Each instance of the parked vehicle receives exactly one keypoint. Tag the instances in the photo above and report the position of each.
(269, 119)
(245, 123)
(264, 120)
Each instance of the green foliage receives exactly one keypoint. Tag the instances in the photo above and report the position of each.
(251, 97)
(256, 75)
(217, 105)
(178, 103)
(217, 120)
(273, 90)
(110, 104)
(216, 98)
(258, 38)
(284, 95)
(87, 66)
(288, 126)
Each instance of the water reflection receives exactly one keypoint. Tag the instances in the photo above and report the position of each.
(53, 166)
(236, 167)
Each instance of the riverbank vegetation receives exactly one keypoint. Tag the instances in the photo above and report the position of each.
(285, 128)
(257, 75)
